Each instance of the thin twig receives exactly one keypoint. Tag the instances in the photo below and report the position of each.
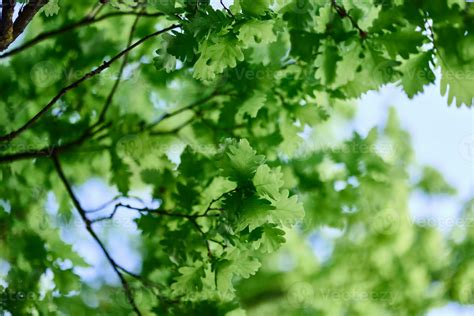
(115, 199)
(88, 223)
(210, 208)
(190, 217)
(185, 108)
(95, 9)
(226, 8)
(151, 211)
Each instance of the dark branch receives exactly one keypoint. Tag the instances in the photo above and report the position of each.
(87, 223)
(114, 200)
(51, 150)
(226, 8)
(25, 15)
(75, 84)
(48, 151)
(88, 20)
(151, 211)
(6, 23)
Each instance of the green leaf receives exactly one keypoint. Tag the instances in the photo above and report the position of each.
(417, 73)
(51, 8)
(257, 32)
(121, 174)
(432, 182)
(66, 281)
(270, 238)
(287, 210)
(241, 161)
(347, 67)
(289, 132)
(253, 213)
(235, 264)
(323, 18)
(252, 105)
(457, 83)
(190, 279)
(255, 7)
(402, 42)
(216, 57)
(326, 63)
(268, 182)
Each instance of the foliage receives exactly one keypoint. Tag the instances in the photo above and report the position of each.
(205, 106)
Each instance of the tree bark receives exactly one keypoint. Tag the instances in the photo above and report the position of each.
(10, 30)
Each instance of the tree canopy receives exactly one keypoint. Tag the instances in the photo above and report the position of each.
(227, 116)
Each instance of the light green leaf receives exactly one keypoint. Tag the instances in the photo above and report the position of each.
(287, 210)
(216, 57)
(417, 73)
(257, 32)
(348, 65)
(242, 161)
(190, 279)
(51, 8)
(252, 105)
(326, 62)
(267, 181)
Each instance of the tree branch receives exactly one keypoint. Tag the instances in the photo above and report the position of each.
(87, 223)
(51, 150)
(190, 217)
(25, 15)
(48, 151)
(88, 20)
(151, 211)
(114, 200)
(75, 84)
(6, 24)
